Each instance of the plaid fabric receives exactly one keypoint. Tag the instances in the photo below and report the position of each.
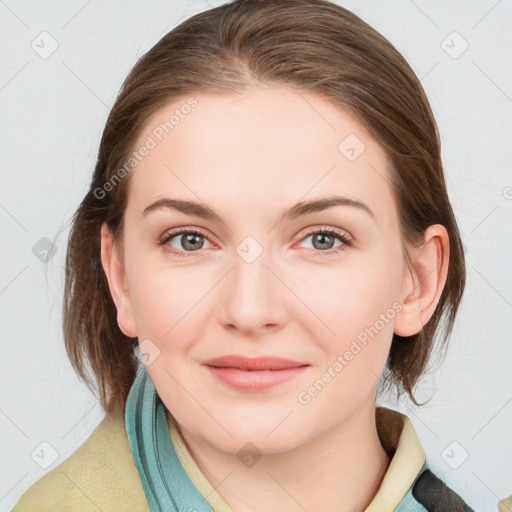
(431, 494)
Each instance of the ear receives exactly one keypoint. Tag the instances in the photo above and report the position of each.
(116, 277)
(424, 281)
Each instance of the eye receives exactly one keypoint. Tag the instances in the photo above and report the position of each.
(323, 238)
(187, 240)
(190, 240)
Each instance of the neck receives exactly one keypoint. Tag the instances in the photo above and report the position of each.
(339, 471)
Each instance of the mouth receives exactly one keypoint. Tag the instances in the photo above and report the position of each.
(254, 364)
(254, 374)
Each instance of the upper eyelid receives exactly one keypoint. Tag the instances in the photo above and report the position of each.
(184, 230)
(335, 231)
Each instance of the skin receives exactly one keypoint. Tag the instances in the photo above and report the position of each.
(249, 156)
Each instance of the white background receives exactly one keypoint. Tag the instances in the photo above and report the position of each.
(52, 114)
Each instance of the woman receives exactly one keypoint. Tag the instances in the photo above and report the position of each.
(268, 227)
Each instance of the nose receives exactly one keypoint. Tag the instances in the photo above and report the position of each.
(254, 297)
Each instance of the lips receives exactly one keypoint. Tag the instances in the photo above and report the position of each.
(253, 364)
(256, 374)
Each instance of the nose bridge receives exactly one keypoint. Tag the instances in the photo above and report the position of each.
(251, 277)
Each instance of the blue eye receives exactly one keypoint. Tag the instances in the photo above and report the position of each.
(325, 236)
(194, 240)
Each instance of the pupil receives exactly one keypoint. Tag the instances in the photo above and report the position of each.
(189, 239)
(321, 239)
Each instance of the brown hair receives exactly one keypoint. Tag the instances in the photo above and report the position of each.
(310, 45)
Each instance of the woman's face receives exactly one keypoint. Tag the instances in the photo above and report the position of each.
(258, 279)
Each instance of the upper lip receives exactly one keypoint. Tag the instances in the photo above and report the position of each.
(255, 363)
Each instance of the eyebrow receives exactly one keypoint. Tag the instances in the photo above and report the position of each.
(297, 210)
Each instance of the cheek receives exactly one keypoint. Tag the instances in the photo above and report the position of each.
(167, 299)
(356, 346)
(354, 310)
(345, 299)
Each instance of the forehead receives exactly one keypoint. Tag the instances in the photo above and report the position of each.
(262, 146)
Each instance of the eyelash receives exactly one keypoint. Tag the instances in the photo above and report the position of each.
(347, 242)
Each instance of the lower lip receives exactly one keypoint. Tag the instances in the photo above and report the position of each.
(254, 380)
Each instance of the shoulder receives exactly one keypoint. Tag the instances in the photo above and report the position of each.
(100, 474)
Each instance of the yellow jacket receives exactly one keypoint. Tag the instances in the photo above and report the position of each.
(101, 474)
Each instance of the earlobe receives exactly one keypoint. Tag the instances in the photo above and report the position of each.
(116, 277)
(424, 281)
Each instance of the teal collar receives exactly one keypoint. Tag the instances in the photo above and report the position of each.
(165, 482)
